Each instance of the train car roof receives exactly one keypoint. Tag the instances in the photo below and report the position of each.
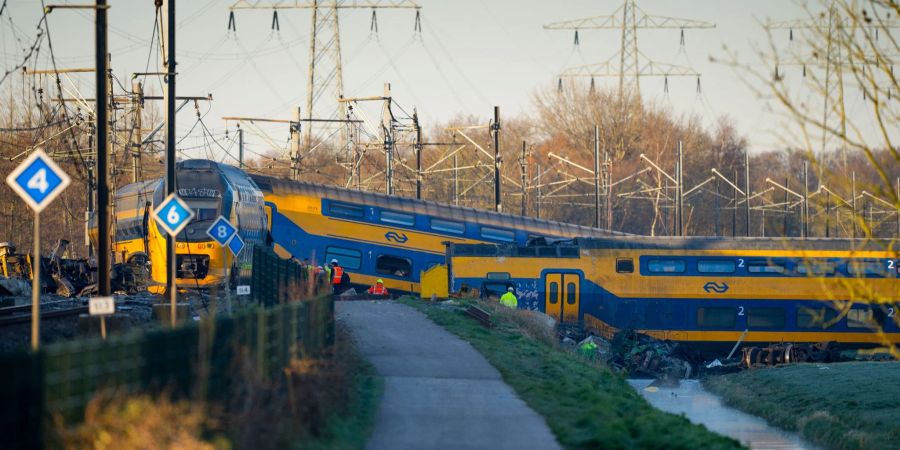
(736, 243)
(140, 186)
(432, 208)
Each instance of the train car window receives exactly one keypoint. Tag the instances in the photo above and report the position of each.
(765, 267)
(666, 265)
(554, 292)
(498, 275)
(715, 266)
(624, 265)
(393, 266)
(815, 317)
(765, 317)
(206, 214)
(568, 251)
(814, 267)
(861, 268)
(716, 317)
(497, 234)
(860, 318)
(546, 251)
(347, 258)
(397, 218)
(345, 210)
(448, 226)
(570, 293)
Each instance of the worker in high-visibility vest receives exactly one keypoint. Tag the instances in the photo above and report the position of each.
(509, 298)
(340, 280)
(378, 289)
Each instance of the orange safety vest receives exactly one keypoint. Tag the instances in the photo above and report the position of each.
(336, 273)
(378, 290)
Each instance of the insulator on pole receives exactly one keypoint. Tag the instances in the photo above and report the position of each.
(666, 84)
(418, 26)
(592, 84)
(698, 85)
(576, 37)
(777, 77)
(682, 37)
(876, 34)
(373, 27)
(791, 34)
(231, 25)
(275, 25)
(559, 85)
(864, 95)
(804, 71)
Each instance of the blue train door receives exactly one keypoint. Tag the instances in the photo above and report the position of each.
(562, 295)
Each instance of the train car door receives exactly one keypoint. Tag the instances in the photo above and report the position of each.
(562, 296)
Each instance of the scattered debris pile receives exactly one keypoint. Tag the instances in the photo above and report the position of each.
(642, 356)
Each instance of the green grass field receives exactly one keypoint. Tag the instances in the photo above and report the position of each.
(586, 405)
(841, 406)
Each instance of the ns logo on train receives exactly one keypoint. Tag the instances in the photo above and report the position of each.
(716, 287)
(394, 236)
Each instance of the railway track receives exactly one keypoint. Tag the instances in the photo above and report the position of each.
(7, 317)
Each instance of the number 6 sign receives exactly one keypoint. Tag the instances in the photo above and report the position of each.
(173, 214)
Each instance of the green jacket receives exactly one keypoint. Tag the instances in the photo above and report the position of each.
(509, 299)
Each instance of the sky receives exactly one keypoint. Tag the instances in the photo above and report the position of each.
(470, 56)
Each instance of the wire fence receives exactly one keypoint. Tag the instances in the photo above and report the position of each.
(197, 360)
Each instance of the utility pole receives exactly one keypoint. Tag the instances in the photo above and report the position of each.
(609, 185)
(596, 176)
(170, 68)
(787, 185)
(455, 181)
(240, 132)
(524, 180)
(537, 203)
(853, 203)
(101, 72)
(418, 149)
(387, 129)
(495, 131)
(680, 189)
(734, 207)
(295, 145)
(746, 191)
(805, 198)
(137, 109)
(629, 64)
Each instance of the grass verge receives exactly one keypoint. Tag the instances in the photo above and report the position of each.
(846, 406)
(585, 405)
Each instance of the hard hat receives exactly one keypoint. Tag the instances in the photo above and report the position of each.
(510, 289)
(334, 261)
(320, 267)
(379, 281)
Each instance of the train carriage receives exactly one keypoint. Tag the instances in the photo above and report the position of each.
(706, 292)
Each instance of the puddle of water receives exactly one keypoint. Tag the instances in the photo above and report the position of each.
(702, 407)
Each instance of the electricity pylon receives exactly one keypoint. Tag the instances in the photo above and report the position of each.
(632, 64)
(836, 31)
(325, 73)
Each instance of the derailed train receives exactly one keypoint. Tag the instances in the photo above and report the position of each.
(696, 290)
(372, 235)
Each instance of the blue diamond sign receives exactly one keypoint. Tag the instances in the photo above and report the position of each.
(173, 214)
(221, 231)
(38, 180)
(236, 244)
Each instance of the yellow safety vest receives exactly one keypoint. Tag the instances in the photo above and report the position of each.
(509, 299)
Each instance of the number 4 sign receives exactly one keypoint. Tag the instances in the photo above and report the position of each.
(38, 180)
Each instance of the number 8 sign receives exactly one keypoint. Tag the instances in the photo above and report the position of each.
(173, 214)
(221, 231)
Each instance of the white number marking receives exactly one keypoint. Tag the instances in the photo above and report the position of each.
(222, 231)
(39, 181)
(891, 311)
(891, 264)
(740, 310)
(740, 262)
(172, 216)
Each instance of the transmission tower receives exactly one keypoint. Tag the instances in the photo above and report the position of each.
(325, 74)
(629, 64)
(837, 31)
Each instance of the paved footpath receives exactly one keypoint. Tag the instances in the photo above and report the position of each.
(439, 392)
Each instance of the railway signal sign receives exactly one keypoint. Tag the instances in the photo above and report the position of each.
(236, 244)
(173, 214)
(38, 180)
(221, 231)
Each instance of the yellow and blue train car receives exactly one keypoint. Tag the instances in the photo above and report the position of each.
(210, 189)
(376, 236)
(705, 292)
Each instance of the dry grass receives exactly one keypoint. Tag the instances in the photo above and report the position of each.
(115, 421)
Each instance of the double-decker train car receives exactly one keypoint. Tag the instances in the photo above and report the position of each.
(210, 189)
(705, 292)
(376, 236)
